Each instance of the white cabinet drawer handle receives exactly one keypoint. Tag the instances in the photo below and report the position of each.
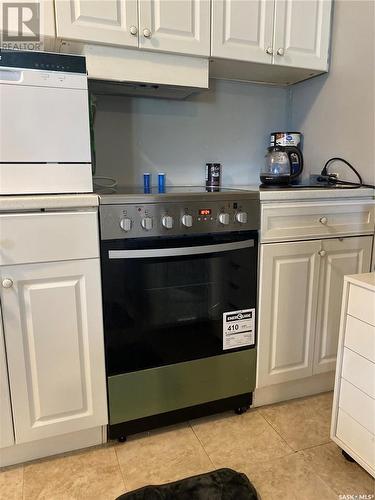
(133, 30)
(7, 283)
(323, 220)
(280, 51)
(147, 33)
(269, 50)
(322, 253)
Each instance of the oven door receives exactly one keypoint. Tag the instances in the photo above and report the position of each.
(164, 298)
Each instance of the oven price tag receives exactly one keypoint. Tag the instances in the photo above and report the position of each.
(238, 329)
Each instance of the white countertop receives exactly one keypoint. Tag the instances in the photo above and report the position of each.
(295, 194)
(367, 280)
(51, 201)
(61, 201)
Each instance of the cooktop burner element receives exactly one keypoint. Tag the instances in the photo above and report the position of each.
(128, 212)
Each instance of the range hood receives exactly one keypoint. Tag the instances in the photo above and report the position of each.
(139, 89)
(135, 72)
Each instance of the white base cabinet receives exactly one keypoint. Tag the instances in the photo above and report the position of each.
(6, 422)
(300, 300)
(53, 330)
(53, 333)
(353, 413)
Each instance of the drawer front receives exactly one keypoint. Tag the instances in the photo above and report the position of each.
(354, 435)
(359, 372)
(316, 220)
(361, 304)
(358, 405)
(360, 337)
(48, 236)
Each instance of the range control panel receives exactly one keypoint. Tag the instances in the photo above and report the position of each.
(172, 219)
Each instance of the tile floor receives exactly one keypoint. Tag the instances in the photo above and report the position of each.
(284, 449)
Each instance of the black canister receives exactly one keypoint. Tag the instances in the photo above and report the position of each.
(213, 175)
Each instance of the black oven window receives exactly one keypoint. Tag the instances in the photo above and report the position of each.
(159, 311)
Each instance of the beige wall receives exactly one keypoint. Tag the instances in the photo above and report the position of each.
(335, 112)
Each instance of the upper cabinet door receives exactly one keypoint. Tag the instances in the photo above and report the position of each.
(341, 256)
(113, 22)
(181, 26)
(242, 30)
(302, 33)
(54, 338)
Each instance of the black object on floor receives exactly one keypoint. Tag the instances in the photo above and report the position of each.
(221, 484)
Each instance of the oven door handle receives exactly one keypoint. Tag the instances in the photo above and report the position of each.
(176, 252)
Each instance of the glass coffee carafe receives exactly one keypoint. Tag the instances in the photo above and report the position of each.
(276, 169)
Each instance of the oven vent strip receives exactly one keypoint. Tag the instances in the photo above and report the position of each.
(175, 252)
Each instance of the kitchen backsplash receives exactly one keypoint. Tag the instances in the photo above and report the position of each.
(229, 124)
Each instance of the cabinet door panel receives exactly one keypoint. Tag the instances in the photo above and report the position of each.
(288, 302)
(181, 26)
(343, 256)
(54, 337)
(6, 422)
(302, 31)
(106, 22)
(242, 30)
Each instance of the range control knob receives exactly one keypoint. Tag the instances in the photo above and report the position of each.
(224, 218)
(187, 220)
(241, 217)
(146, 223)
(167, 221)
(126, 224)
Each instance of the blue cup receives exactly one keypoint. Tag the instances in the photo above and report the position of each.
(147, 182)
(161, 183)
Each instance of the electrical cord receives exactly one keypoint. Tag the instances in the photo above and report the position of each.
(326, 177)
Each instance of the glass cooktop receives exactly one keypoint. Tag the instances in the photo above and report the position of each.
(129, 190)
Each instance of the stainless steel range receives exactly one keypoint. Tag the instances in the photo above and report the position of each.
(179, 275)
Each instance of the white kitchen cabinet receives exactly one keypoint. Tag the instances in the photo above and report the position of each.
(53, 329)
(342, 256)
(302, 33)
(180, 26)
(291, 33)
(6, 422)
(287, 311)
(299, 305)
(113, 22)
(243, 30)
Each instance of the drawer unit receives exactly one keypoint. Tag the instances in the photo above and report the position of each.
(361, 304)
(286, 222)
(48, 236)
(353, 412)
(360, 337)
(359, 371)
(358, 439)
(358, 405)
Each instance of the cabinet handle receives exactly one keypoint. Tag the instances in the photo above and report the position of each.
(269, 50)
(7, 283)
(147, 33)
(322, 253)
(133, 30)
(280, 51)
(323, 220)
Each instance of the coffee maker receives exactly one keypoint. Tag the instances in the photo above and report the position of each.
(284, 160)
(291, 142)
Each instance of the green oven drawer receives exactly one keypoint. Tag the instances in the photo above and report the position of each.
(158, 390)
